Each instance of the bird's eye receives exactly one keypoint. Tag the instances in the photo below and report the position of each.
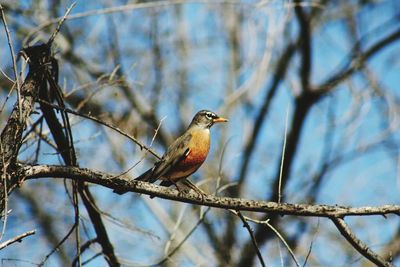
(209, 116)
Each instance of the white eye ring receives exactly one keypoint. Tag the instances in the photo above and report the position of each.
(208, 115)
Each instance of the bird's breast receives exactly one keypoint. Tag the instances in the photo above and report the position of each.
(199, 146)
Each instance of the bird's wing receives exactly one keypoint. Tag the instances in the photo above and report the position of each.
(176, 152)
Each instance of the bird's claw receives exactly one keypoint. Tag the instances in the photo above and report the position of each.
(200, 193)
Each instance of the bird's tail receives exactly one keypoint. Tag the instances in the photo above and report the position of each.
(146, 176)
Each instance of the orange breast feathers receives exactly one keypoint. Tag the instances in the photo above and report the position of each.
(199, 146)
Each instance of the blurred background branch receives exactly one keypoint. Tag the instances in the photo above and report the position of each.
(127, 64)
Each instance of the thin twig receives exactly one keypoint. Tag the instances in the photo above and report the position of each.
(4, 178)
(146, 152)
(39, 141)
(266, 222)
(17, 260)
(17, 238)
(5, 75)
(311, 245)
(284, 242)
(57, 246)
(175, 230)
(82, 249)
(92, 258)
(53, 36)
(201, 220)
(77, 228)
(253, 238)
(283, 157)
(7, 97)
(280, 254)
(10, 45)
(103, 123)
(172, 252)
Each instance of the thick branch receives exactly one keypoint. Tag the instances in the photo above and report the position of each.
(11, 136)
(113, 182)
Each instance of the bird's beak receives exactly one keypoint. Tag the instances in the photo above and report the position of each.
(219, 119)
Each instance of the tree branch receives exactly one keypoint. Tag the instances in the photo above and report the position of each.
(252, 237)
(17, 238)
(11, 136)
(87, 116)
(356, 62)
(304, 43)
(358, 244)
(113, 182)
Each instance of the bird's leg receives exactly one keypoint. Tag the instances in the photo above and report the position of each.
(181, 192)
(191, 185)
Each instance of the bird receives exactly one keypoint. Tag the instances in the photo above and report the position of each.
(185, 155)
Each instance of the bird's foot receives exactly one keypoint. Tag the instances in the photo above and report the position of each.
(182, 190)
(192, 186)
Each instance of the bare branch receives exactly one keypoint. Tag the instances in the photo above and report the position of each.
(53, 36)
(283, 157)
(57, 247)
(266, 222)
(14, 61)
(358, 244)
(107, 180)
(305, 42)
(103, 123)
(84, 247)
(284, 242)
(11, 135)
(253, 238)
(173, 251)
(17, 238)
(357, 62)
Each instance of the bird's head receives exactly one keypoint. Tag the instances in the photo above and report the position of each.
(206, 119)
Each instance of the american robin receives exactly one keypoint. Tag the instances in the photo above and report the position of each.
(185, 155)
